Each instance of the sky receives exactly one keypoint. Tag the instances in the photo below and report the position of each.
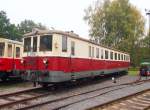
(63, 15)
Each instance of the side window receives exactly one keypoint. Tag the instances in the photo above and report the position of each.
(97, 52)
(106, 54)
(64, 44)
(2, 48)
(17, 52)
(9, 50)
(115, 56)
(72, 48)
(118, 56)
(111, 55)
(92, 51)
(121, 56)
(124, 58)
(102, 55)
(89, 51)
(34, 44)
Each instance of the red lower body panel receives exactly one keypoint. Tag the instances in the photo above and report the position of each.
(71, 64)
(9, 64)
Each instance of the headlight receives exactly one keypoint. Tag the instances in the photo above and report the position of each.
(22, 61)
(45, 61)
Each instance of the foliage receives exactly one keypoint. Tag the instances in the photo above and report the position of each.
(116, 24)
(11, 31)
(26, 26)
(7, 29)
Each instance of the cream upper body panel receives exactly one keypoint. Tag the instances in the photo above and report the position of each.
(81, 47)
(12, 49)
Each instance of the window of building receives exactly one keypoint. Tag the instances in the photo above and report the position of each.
(9, 50)
(106, 54)
(34, 44)
(97, 52)
(2, 48)
(46, 43)
(17, 52)
(102, 54)
(111, 55)
(27, 44)
(89, 51)
(118, 56)
(115, 56)
(72, 48)
(64, 44)
(92, 51)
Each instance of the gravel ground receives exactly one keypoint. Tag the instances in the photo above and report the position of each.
(12, 86)
(81, 89)
(73, 90)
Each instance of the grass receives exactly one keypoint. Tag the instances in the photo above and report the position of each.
(133, 73)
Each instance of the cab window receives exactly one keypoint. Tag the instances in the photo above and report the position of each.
(34, 44)
(2, 47)
(9, 50)
(27, 44)
(46, 43)
(17, 52)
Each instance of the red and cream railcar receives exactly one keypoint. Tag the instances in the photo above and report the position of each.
(56, 56)
(10, 57)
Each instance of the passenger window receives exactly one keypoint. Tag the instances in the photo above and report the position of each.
(92, 51)
(2, 48)
(106, 54)
(97, 52)
(102, 55)
(121, 56)
(89, 51)
(115, 56)
(118, 56)
(34, 44)
(9, 50)
(124, 58)
(27, 44)
(111, 55)
(64, 44)
(17, 52)
(46, 43)
(72, 48)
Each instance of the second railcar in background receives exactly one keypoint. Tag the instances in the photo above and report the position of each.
(55, 56)
(10, 58)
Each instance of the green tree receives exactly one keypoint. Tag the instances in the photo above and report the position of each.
(8, 30)
(26, 26)
(116, 24)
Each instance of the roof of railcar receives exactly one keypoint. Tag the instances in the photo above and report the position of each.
(68, 34)
(11, 41)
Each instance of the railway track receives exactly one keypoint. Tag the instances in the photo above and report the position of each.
(10, 99)
(30, 99)
(139, 101)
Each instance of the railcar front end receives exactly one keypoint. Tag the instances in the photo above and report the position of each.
(10, 57)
